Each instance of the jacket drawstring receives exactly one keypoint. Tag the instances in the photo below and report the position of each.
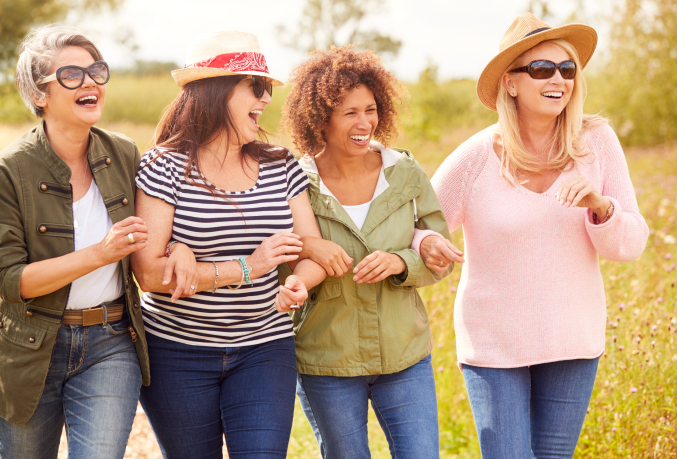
(415, 211)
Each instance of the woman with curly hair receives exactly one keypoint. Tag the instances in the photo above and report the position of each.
(365, 335)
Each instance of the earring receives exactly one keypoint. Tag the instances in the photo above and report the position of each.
(512, 94)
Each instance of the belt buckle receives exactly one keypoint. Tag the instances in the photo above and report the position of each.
(92, 316)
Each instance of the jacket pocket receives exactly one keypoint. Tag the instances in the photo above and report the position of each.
(21, 333)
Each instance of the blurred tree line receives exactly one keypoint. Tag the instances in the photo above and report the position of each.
(633, 81)
(636, 85)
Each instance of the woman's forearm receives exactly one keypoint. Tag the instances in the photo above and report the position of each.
(47, 276)
(310, 273)
(151, 277)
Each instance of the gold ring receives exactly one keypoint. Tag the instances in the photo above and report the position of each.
(441, 263)
(130, 238)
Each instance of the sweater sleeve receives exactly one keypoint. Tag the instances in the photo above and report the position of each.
(454, 179)
(624, 236)
(430, 218)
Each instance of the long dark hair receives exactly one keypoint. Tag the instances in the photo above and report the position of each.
(198, 113)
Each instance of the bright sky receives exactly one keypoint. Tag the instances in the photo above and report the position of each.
(460, 36)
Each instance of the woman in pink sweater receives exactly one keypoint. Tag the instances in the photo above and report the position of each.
(540, 195)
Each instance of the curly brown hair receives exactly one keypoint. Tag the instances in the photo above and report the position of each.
(321, 82)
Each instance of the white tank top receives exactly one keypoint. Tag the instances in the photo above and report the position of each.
(104, 284)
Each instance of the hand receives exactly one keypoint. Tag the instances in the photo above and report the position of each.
(183, 265)
(578, 192)
(438, 253)
(377, 266)
(291, 294)
(274, 250)
(327, 254)
(115, 245)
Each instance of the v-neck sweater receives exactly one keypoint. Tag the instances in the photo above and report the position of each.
(531, 290)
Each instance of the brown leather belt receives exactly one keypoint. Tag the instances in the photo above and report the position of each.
(94, 316)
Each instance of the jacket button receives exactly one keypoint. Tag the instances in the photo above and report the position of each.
(29, 314)
(43, 187)
(136, 305)
(31, 340)
(125, 201)
(108, 161)
(313, 296)
(42, 229)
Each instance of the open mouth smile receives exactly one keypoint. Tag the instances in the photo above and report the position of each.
(553, 94)
(360, 139)
(87, 101)
(254, 115)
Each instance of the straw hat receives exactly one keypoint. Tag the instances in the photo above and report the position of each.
(228, 52)
(523, 34)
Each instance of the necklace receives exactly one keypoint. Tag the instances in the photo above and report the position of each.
(82, 187)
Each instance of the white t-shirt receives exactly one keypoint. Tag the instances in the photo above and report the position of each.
(104, 284)
(358, 213)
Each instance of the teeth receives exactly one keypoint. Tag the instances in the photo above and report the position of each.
(552, 94)
(87, 98)
(257, 112)
(360, 138)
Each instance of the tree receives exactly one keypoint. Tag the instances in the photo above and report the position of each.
(337, 22)
(637, 85)
(17, 17)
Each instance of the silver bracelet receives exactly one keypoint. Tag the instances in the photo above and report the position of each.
(216, 279)
(241, 280)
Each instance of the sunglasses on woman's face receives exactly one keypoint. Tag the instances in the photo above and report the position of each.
(261, 84)
(542, 70)
(72, 76)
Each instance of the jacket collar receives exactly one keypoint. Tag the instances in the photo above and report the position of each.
(57, 165)
(401, 186)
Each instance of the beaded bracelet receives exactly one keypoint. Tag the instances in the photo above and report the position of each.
(245, 269)
(171, 243)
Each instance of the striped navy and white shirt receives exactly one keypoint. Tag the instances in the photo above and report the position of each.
(216, 231)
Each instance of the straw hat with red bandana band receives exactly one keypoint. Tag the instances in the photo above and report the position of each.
(228, 52)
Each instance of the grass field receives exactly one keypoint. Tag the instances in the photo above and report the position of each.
(632, 412)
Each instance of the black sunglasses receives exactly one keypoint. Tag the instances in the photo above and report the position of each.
(542, 70)
(261, 84)
(72, 76)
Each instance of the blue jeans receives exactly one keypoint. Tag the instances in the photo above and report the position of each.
(199, 394)
(93, 386)
(405, 404)
(530, 412)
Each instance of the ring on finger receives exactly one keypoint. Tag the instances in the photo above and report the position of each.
(441, 263)
(192, 287)
(130, 238)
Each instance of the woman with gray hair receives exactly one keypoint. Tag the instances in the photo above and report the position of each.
(72, 345)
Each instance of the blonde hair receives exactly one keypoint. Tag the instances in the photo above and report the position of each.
(566, 146)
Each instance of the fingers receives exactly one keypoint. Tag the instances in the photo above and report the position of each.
(371, 269)
(169, 270)
(447, 255)
(346, 259)
(130, 221)
(453, 248)
(380, 270)
(581, 195)
(365, 261)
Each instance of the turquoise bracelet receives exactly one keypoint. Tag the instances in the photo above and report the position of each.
(245, 269)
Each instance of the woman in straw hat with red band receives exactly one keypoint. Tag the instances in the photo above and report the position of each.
(231, 209)
(540, 195)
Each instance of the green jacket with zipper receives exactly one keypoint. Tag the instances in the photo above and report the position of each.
(36, 223)
(351, 329)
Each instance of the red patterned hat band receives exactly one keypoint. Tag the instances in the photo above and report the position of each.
(235, 62)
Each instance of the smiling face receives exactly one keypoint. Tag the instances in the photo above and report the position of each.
(353, 122)
(246, 109)
(540, 98)
(82, 106)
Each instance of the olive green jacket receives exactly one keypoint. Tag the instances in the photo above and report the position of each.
(351, 329)
(36, 223)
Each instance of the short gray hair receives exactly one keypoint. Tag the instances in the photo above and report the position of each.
(37, 55)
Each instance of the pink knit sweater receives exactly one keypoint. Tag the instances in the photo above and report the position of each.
(531, 290)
